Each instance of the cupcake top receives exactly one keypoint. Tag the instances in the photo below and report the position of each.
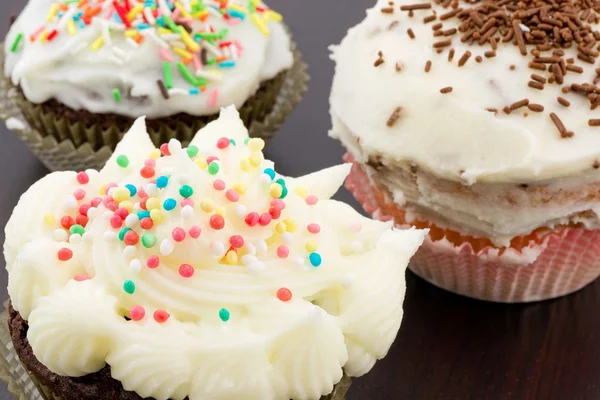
(154, 57)
(472, 91)
(202, 272)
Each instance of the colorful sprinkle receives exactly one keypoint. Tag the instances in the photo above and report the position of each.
(82, 178)
(137, 313)
(219, 185)
(169, 204)
(161, 316)
(223, 143)
(195, 232)
(213, 168)
(162, 182)
(236, 241)
(313, 228)
(284, 294)
(129, 287)
(15, 44)
(192, 151)
(65, 254)
(186, 270)
(224, 314)
(217, 222)
(153, 262)
(148, 239)
(186, 191)
(315, 259)
(178, 234)
(283, 252)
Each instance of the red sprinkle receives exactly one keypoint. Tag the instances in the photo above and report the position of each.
(284, 294)
(143, 203)
(83, 210)
(147, 172)
(211, 159)
(275, 212)
(313, 228)
(65, 254)
(186, 270)
(217, 222)
(161, 316)
(137, 313)
(131, 238)
(82, 220)
(112, 206)
(83, 178)
(96, 201)
(122, 212)
(195, 231)
(153, 262)
(252, 219)
(142, 193)
(236, 241)
(219, 185)
(146, 223)
(178, 234)
(278, 203)
(79, 194)
(116, 222)
(265, 219)
(164, 149)
(232, 196)
(67, 222)
(283, 252)
(81, 277)
(222, 143)
(52, 35)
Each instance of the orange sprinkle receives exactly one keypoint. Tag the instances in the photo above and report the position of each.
(139, 39)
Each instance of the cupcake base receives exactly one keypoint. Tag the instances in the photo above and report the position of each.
(96, 386)
(565, 261)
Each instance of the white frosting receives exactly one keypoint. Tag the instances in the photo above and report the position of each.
(345, 313)
(66, 69)
(452, 135)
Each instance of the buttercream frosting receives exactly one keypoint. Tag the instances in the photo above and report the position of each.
(204, 273)
(85, 57)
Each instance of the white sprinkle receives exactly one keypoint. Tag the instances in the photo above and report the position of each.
(87, 238)
(187, 212)
(265, 179)
(70, 202)
(166, 247)
(66, 17)
(137, 208)
(149, 16)
(170, 37)
(178, 92)
(106, 34)
(299, 260)
(75, 238)
(524, 28)
(211, 48)
(357, 246)
(184, 179)
(164, 8)
(186, 5)
(107, 215)
(251, 249)
(115, 27)
(261, 247)
(92, 212)
(118, 52)
(287, 238)
(151, 33)
(226, 52)
(132, 220)
(109, 236)
(150, 189)
(214, 12)
(235, 55)
(174, 146)
(348, 280)
(255, 267)
(248, 259)
(211, 76)
(217, 249)
(241, 210)
(131, 42)
(135, 265)
(111, 191)
(167, 171)
(116, 60)
(60, 235)
(129, 252)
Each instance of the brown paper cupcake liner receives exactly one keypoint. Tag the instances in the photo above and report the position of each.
(25, 386)
(66, 139)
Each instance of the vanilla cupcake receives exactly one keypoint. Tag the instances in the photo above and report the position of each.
(478, 121)
(200, 273)
(84, 70)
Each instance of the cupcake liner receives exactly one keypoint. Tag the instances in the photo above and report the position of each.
(61, 144)
(25, 386)
(564, 262)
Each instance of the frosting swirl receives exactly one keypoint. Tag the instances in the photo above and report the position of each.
(201, 272)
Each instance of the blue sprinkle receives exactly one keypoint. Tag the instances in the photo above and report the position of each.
(236, 14)
(77, 16)
(315, 259)
(122, 233)
(143, 26)
(227, 64)
(60, 14)
(270, 172)
(160, 21)
(117, 18)
(81, 24)
(132, 189)
(162, 182)
(194, 91)
(169, 204)
(143, 214)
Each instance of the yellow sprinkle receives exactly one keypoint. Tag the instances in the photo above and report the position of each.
(275, 190)
(290, 224)
(182, 10)
(281, 227)
(256, 159)
(182, 52)
(260, 24)
(256, 144)
(152, 204)
(155, 154)
(44, 36)
(126, 205)
(49, 219)
(164, 31)
(121, 194)
(311, 246)
(97, 44)
(237, 8)
(156, 215)
(207, 205)
(231, 257)
(200, 14)
(220, 211)
(187, 39)
(102, 190)
(240, 188)
(274, 16)
(201, 162)
(272, 240)
(301, 191)
(52, 13)
(132, 33)
(134, 12)
(71, 28)
(245, 164)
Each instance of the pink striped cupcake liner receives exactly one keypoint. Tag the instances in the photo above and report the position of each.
(564, 262)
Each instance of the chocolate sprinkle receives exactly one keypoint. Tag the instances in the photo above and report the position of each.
(428, 66)
(418, 6)
(394, 117)
(464, 58)
(163, 88)
(536, 107)
(561, 128)
(594, 122)
(563, 102)
(410, 33)
(445, 90)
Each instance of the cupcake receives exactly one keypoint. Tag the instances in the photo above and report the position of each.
(200, 273)
(83, 71)
(479, 122)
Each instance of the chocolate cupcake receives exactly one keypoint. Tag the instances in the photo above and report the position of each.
(83, 71)
(200, 273)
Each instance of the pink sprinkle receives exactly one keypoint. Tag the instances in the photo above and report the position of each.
(81, 277)
(96, 201)
(112, 206)
(37, 32)
(212, 100)
(164, 149)
(197, 63)
(79, 194)
(137, 313)
(141, 193)
(314, 228)
(187, 202)
(121, 212)
(234, 21)
(275, 212)
(83, 210)
(82, 178)
(116, 222)
(109, 186)
(211, 159)
(186, 20)
(278, 203)
(161, 316)
(238, 45)
(223, 143)
(236, 241)
(195, 231)
(175, 14)
(178, 234)
(232, 196)
(164, 53)
(153, 262)
(219, 185)
(252, 219)
(108, 13)
(150, 163)
(311, 200)
(265, 219)
(186, 270)
(283, 252)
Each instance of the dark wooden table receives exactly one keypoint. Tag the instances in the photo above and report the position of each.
(449, 347)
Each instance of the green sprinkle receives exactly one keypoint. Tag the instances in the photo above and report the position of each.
(129, 287)
(284, 192)
(213, 168)
(168, 75)
(223, 33)
(122, 233)
(77, 230)
(172, 26)
(192, 151)
(208, 35)
(123, 161)
(148, 240)
(117, 95)
(187, 74)
(232, 141)
(224, 314)
(15, 44)
(246, 141)
(280, 181)
(186, 191)
(251, 7)
(212, 61)
(201, 82)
